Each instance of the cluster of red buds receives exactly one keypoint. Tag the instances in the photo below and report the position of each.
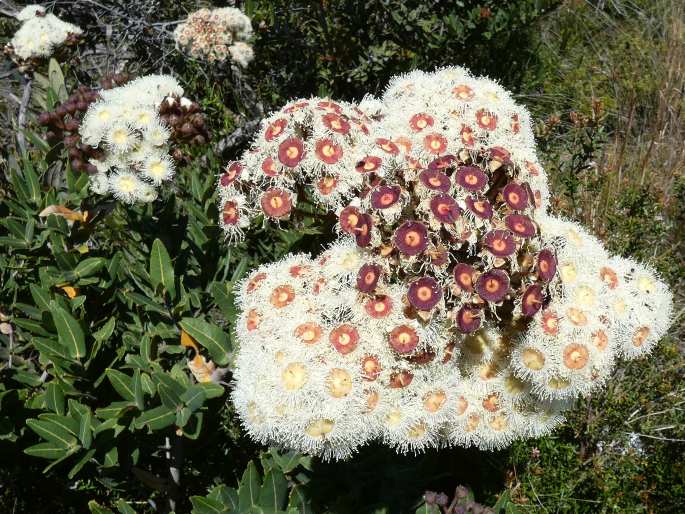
(185, 121)
(183, 118)
(64, 122)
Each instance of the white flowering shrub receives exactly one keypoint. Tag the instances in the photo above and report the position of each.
(130, 132)
(453, 309)
(215, 35)
(40, 33)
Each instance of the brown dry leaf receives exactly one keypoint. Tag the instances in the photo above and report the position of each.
(71, 292)
(189, 342)
(202, 369)
(66, 213)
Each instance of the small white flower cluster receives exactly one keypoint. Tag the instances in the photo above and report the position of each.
(216, 35)
(125, 124)
(453, 309)
(40, 33)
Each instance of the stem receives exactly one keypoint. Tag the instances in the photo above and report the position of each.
(21, 118)
(174, 456)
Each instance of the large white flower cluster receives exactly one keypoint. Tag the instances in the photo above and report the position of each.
(453, 309)
(125, 125)
(323, 370)
(40, 33)
(215, 35)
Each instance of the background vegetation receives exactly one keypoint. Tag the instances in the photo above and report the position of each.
(97, 408)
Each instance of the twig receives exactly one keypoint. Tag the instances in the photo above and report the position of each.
(21, 118)
(658, 438)
(174, 455)
(237, 136)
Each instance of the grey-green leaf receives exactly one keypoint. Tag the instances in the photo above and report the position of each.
(69, 331)
(161, 269)
(138, 390)
(124, 508)
(122, 383)
(52, 432)
(249, 489)
(274, 491)
(54, 397)
(204, 505)
(89, 267)
(157, 418)
(85, 433)
(49, 450)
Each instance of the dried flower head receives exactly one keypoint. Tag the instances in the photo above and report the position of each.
(215, 35)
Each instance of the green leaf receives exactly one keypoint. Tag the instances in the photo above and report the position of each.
(299, 501)
(138, 390)
(85, 432)
(96, 508)
(32, 183)
(161, 269)
(223, 296)
(224, 495)
(111, 458)
(41, 297)
(204, 505)
(113, 410)
(69, 331)
(50, 347)
(249, 488)
(146, 348)
(122, 383)
(67, 423)
(183, 416)
(85, 459)
(54, 397)
(212, 390)
(56, 80)
(274, 491)
(288, 460)
(194, 397)
(106, 331)
(46, 451)
(124, 508)
(209, 336)
(89, 267)
(195, 427)
(157, 418)
(52, 432)
(27, 378)
(170, 398)
(145, 302)
(35, 327)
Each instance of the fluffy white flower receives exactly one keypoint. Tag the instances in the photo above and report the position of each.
(40, 33)
(128, 188)
(126, 125)
(158, 168)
